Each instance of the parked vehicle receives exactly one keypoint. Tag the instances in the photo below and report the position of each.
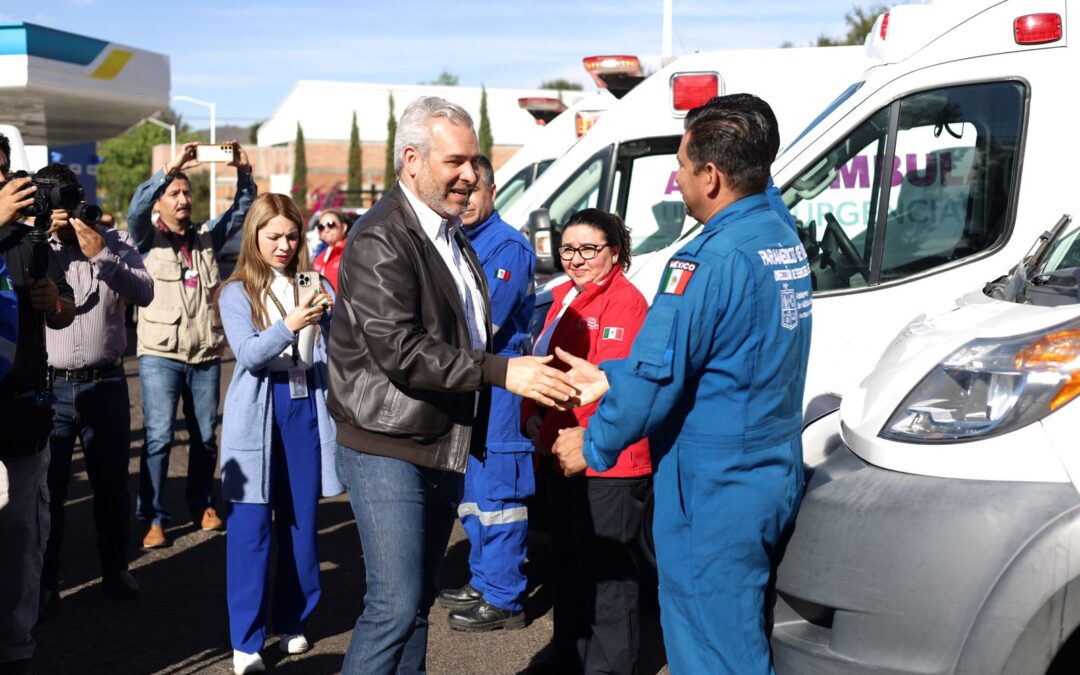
(940, 531)
(626, 163)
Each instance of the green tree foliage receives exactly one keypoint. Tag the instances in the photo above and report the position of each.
(859, 22)
(299, 188)
(200, 196)
(253, 133)
(445, 79)
(484, 134)
(355, 181)
(389, 176)
(561, 84)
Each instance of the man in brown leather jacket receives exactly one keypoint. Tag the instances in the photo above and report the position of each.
(410, 373)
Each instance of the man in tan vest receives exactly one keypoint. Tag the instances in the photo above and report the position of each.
(180, 340)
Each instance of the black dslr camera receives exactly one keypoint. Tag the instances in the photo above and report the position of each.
(51, 194)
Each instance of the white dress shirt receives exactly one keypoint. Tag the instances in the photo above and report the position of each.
(441, 234)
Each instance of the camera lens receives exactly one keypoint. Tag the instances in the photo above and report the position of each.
(88, 213)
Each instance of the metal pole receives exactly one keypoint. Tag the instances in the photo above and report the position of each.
(213, 165)
(665, 39)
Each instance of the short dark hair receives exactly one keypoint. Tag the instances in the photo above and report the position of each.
(739, 135)
(5, 147)
(485, 170)
(615, 231)
(58, 172)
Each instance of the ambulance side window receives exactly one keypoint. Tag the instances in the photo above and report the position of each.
(581, 191)
(507, 194)
(953, 174)
(947, 189)
(646, 195)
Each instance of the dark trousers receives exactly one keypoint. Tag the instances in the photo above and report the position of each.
(294, 493)
(97, 413)
(595, 527)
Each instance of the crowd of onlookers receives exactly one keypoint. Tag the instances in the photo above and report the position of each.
(395, 363)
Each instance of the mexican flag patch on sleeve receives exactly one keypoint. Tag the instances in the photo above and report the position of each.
(502, 274)
(612, 334)
(677, 276)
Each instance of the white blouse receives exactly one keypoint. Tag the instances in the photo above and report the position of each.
(282, 287)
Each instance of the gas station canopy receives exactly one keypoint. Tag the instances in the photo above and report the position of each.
(59, 88)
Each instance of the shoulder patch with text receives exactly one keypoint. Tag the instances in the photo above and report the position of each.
(502, 274)
(612, 334)
(677, 276)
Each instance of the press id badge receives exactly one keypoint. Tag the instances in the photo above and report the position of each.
(298, 383)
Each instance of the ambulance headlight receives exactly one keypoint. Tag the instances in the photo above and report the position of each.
(991, 386)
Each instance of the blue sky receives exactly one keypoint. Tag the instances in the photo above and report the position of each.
(246, 56)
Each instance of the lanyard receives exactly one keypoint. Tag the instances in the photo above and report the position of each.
(179, 244)
(280, 308)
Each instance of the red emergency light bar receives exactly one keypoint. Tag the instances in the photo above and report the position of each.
(690, 90)
(884, 25)
(598, 66)
(1037, 29)
(584, 120)
(542, 109)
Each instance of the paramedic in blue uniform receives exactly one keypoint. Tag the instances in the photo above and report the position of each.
(492, 510)
(715, 381)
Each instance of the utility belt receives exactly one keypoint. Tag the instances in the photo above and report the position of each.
(86, 374)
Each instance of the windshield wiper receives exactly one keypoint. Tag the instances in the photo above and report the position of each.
(1044, 244)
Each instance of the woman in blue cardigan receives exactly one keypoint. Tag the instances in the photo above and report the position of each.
(277, 440)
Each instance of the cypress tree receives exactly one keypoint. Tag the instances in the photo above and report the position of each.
(356, 166)
(299, 189)
(391, 130)
(484, 134)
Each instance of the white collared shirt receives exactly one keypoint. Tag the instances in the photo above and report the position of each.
(441, 234)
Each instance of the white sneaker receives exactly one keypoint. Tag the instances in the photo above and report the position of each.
(242, 662)
(294, 644)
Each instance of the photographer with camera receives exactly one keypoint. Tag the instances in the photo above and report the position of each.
(180, 340)
(44, 299)
(107, 273)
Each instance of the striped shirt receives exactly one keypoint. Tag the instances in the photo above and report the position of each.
(103, 286)
(441, 233)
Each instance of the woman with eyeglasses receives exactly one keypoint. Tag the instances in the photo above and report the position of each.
(332, 230)
(595, 518)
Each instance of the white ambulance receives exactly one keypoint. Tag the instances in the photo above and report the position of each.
(626, 164)
(554, 137)
(940, 531)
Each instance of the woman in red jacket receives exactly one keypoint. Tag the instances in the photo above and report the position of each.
(332, 229)
(596, 518)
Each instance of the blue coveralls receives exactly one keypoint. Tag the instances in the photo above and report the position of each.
(492, 509)
(715, 380)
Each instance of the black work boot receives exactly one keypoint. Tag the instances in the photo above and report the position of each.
(460, 598)
(484, 617)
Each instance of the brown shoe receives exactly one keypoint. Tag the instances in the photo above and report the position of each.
(211, 521)
(155, 537)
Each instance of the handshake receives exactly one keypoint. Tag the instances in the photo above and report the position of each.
(532, 377)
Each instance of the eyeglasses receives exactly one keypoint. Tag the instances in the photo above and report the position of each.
(587, 252)
(326, 226)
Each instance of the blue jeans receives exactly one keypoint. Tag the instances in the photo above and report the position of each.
(164, 382)
(97, 413)
(405, 514)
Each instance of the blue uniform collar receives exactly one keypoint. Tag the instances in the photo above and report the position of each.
(474, 232)
(736, 210)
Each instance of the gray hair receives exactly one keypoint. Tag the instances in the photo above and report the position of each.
(414, 128)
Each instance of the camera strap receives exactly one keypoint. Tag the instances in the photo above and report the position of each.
(281, 308)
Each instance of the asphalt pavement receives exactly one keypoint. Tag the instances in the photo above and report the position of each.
(180, 624)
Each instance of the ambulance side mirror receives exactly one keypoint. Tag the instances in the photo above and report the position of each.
(542, 238)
